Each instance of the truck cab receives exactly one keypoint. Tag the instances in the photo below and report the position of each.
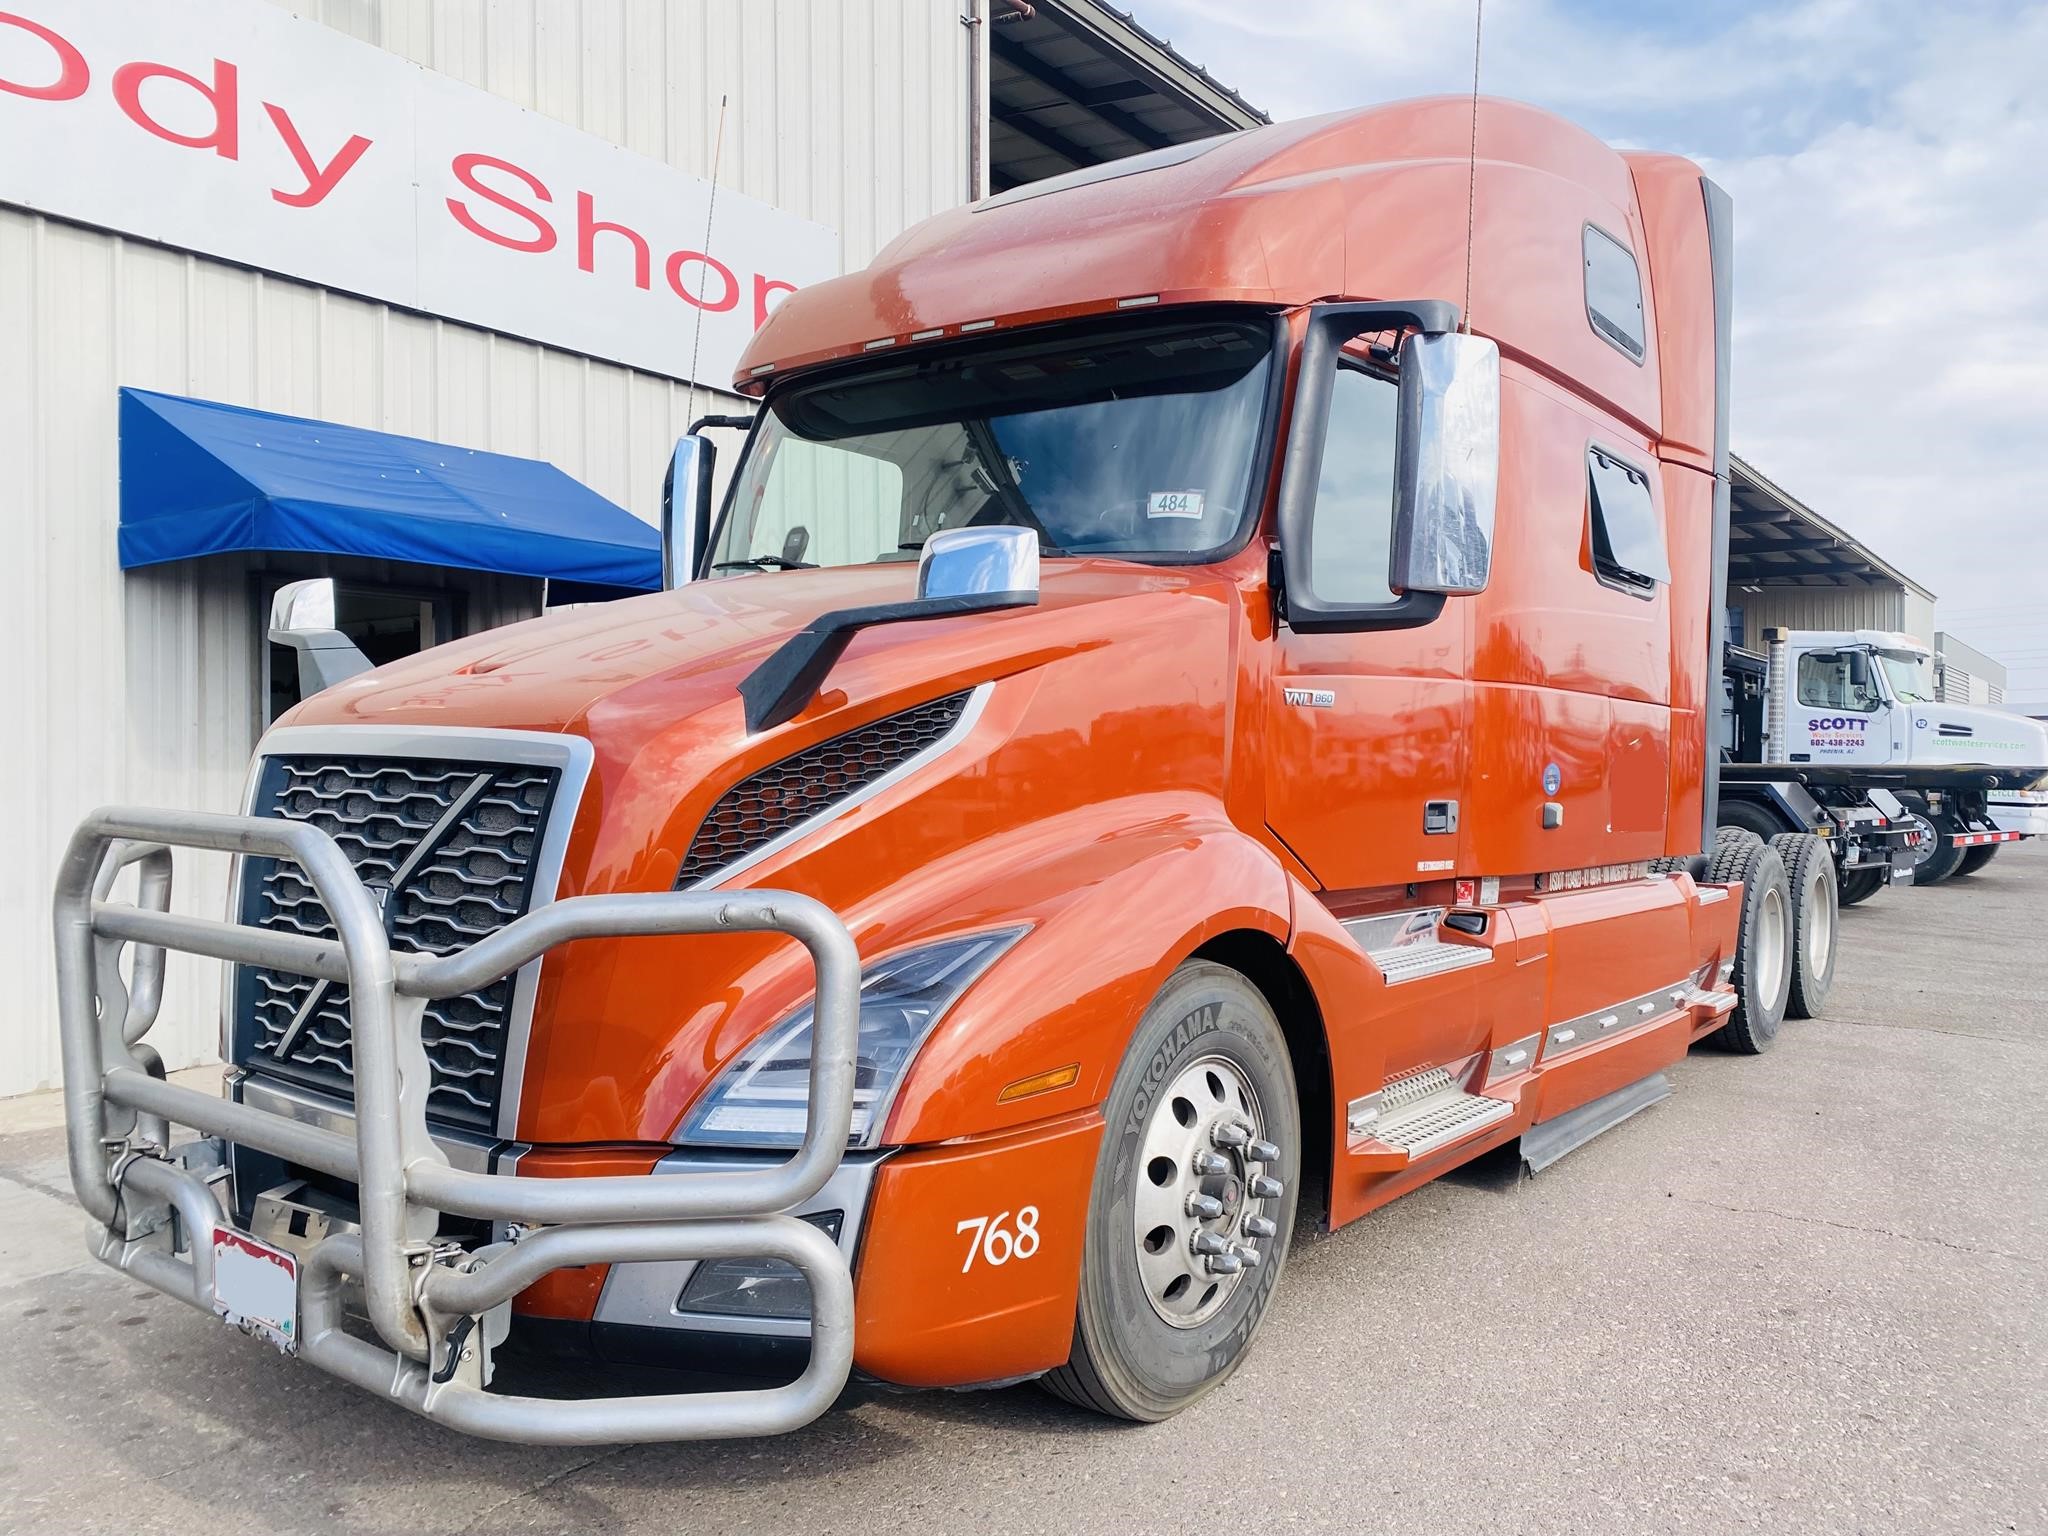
(1178, 726)
(1868, 696)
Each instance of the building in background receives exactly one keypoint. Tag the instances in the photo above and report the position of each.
(418, 297)
(1965, 675)
(1790, 568)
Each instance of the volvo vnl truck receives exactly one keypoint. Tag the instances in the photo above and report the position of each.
(1192, 719)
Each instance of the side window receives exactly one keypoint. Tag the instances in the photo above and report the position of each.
(1614, 292)
(1351, 535)
(1628, 538)
(1836, 680)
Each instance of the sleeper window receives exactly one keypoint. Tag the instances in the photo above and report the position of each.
(1628, 539)
(1350, 555)
(1614, 292)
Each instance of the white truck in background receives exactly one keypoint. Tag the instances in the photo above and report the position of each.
(1858, 707)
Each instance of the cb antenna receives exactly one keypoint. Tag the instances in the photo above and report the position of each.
(1472, 162)
(710, 212)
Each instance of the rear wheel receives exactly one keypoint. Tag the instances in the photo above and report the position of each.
(1763, 945)
(1810, 884)
(1860, 885)
(1747, 816)
(1945, 856)
(1193, 1202)
(1975, 859)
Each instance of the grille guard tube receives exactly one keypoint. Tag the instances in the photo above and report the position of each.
(414, 1289)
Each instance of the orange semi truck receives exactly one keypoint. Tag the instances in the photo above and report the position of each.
(1193, 717)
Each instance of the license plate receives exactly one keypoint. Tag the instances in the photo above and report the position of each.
(256, 1288)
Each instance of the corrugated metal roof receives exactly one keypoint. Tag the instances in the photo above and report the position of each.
(1075, 83)
(1775, 539)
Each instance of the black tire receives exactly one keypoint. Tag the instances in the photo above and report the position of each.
(1860, 885)
(1945, 859)
(1816, 921)
(1127, 1361)
(1725, 833)
(1975, 859)
(1747, 816)
(1763, 945)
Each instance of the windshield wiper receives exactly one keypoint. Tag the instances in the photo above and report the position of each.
(764, 563)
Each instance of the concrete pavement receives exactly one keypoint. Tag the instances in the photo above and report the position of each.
(1807, 1293)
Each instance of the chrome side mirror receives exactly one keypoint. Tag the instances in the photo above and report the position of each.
(977, 562)
(685, 509)
(302, 616)
(1447, 467)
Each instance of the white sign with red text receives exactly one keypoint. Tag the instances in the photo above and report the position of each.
(234, 129)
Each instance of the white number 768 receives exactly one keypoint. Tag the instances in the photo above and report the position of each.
(995, 1242)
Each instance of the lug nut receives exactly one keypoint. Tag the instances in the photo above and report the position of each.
(1225, 1264)
(1262, 1152)
(1204, 1207)
(1228, 1133)
(1210, 1244)
(1259, 1226)
(1249, 1257)
(1210, 1162)
(1264, 1186)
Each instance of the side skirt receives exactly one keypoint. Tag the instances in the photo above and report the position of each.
(1544, 1144)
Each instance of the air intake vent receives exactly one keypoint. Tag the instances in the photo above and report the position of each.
(757, 810)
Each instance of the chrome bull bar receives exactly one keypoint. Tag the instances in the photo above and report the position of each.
(426, 1300)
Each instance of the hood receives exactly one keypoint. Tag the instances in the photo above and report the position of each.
(680, 652)
(1968, 733)
(1116, 683)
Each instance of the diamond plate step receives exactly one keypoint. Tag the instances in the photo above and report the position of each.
(1439, 1120)
(1411, 962)
(1418, 1113)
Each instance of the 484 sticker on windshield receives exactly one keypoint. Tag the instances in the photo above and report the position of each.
(996, 1242)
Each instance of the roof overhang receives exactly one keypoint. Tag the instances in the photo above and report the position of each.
(1776, 540)
(1075, 83)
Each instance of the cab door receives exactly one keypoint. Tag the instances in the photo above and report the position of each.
(1368, 733)
(1838, 713)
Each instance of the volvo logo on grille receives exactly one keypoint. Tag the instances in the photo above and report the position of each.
(382, 893)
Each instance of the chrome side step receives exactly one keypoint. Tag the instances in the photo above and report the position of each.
(1407, 947)
(1423, 1111)
(1412, 962)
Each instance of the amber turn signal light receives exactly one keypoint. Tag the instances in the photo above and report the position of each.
(1044, 1082)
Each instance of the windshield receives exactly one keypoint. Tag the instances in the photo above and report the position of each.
(1134, 438)
(1911, 677)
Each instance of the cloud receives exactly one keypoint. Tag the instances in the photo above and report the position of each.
(1887, 165)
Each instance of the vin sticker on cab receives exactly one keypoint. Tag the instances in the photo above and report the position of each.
(1174, 504)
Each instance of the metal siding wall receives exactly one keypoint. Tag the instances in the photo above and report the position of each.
(143, 687)
(1818, 608)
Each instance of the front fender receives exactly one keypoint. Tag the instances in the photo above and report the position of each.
(1118, 897)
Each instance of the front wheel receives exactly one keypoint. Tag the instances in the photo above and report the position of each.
(1193, 1202)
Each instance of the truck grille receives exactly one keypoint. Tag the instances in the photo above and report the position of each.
(759, 809)
(455, 844)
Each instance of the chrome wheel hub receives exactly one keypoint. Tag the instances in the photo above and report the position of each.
(1206, 1202)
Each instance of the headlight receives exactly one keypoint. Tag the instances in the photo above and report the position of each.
(763, 1098)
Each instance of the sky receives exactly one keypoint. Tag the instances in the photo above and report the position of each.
(1889, 165)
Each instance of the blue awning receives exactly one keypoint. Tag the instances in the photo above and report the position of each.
(201, 478)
